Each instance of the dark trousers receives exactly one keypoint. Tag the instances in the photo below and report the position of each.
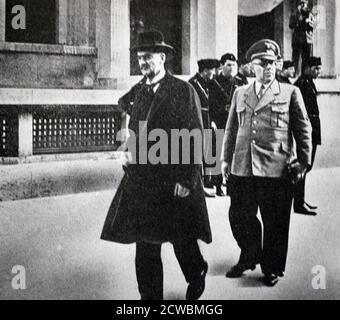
(149, 268)
(303, 50)
(274, 199)
(216, 179)
(299, 192)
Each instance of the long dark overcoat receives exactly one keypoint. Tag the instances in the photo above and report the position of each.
(309, 94)
(144, 207)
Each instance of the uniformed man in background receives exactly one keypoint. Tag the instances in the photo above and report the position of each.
(258, 145)
(244, 72)
(221, 93)
(200, 82)
(287, 72)
(309, 92)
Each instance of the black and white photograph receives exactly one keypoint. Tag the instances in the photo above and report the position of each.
(180, 150)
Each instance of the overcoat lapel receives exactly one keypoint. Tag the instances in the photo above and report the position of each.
(161, 94)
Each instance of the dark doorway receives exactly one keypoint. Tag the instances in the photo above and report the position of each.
(40, 21)
(252, 29)
(162, 15)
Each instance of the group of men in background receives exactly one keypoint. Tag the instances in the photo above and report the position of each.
(215, 84)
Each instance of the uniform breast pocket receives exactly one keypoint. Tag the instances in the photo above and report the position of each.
(280, 115)
(241, 115)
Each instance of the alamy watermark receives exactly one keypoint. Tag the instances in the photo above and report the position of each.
(174, 147)
(319, 278)
(19, 280)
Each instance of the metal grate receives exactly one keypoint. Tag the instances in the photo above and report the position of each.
(3, 135)
(8, 133)
(77, 131)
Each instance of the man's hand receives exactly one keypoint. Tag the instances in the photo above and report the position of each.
(126, 160)
(225, 170)
(296, 172)
(181, 191)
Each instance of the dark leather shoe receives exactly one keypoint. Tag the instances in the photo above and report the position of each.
(196, 287)
(270, 280)
(237, 270)
(304, 210)
(219, 192)
(310, 206)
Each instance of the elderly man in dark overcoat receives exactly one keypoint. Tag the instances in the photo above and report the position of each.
(161, 201)
(264, 119)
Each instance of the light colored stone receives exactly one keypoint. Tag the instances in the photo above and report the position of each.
(2, 19)
(25, 134)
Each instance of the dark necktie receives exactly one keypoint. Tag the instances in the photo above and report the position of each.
(261, 92)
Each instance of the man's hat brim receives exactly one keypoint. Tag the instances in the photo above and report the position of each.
(154, 48)
(263, 49)
(263, 56)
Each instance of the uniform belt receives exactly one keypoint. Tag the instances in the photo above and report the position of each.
(205, 109)
(314, 116)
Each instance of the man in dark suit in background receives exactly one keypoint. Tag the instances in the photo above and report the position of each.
(206, 73)
(287, 72)
(243, 72)
(308, 89)
(258, 144)
(161, 201)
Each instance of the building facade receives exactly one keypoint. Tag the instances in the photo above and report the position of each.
(64, 63)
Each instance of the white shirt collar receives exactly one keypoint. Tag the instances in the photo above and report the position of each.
(258, 86)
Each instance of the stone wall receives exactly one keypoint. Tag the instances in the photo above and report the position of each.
(47, 66)
(328, 154)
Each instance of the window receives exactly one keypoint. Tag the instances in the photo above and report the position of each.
(40, 21)
(162, 15)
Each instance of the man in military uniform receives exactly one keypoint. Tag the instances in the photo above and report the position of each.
(221, 92)
(308, 89)
(258, 144)
(159, 202)
(206, 73)
(287, 72)
(224, 89)
(243, 72)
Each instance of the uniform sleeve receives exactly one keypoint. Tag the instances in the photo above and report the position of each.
(229, 139)
(301, 127)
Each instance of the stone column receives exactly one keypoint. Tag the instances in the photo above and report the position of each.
(113, 41)
(189, 37)
(2, 19)
(337, 39)
(287, 51)
(61, 21)
(226, 27)
(25, 133)
(217, 27)
(324, 35)
(92, 23)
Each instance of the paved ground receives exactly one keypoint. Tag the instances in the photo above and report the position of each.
(56, 239)
(46, 179)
